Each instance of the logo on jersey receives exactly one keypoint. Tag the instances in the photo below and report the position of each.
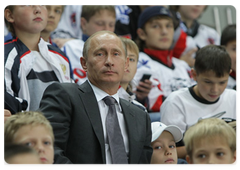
(143, 63)
(122, 14)
(73, 19)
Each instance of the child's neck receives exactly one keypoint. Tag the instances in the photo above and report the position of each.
(45, 35)
(30, 40)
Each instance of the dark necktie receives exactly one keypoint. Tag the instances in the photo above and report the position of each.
(114, 134)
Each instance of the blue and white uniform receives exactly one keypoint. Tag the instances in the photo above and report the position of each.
(28, 73)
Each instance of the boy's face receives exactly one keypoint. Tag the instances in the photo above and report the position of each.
(164, 149)
(28, 18)
(209, 87)
(231, 49)
(191, 12)
(214, 150)
(158, 34)
(54, 16)
(39, 138)
(102, 20)
(132, 66)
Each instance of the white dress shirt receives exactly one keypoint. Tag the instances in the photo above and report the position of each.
(103, 108)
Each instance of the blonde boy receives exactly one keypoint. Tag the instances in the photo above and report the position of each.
(210, 141)
(31, 129)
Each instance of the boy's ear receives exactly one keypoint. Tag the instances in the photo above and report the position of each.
(8, 15)
(230, 71)
(83, 63)
(83, 24)
(194, 74)
(188, 159)
(141, 34)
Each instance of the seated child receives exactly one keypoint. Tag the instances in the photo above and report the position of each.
(163, 143)
(126, 91)
(20, 154)
(31, 129)
(210, 141)
(208, 97)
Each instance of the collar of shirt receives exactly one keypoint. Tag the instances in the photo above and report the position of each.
(100, 94)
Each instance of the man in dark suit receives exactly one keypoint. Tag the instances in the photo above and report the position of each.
(78, 113)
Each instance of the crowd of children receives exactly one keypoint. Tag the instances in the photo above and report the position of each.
(181, 72)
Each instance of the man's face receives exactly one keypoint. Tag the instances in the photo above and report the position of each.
(103, 20)
(164, 149)
(214, 150)
(106, 61)
(158, 34)
(209, 86)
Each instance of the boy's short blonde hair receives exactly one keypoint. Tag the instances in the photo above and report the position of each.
(15, 122)
(207, 128)
(131, 45)
(8, 24)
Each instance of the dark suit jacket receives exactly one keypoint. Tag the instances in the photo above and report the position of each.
(75, 117)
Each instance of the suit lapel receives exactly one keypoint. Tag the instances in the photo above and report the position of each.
(130, 119)
(91, 107)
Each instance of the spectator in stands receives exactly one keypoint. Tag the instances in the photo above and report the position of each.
(203, 35)
(126, 91)
(228, 39)
(31, 129)
(156, 31)
(78, 113)
(30, 63)
(20, 154)
(210, 141)
(208, 98)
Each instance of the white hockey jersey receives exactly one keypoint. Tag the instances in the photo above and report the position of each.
(183, 108)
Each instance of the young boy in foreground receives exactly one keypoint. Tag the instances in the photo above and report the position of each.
(210, 141)
(31, 129)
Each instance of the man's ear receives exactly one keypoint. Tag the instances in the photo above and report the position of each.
(83, 63)
(8, 16)
(141, 34)
(83, 24)
(188, 159)
(230, 71)
(194, 74)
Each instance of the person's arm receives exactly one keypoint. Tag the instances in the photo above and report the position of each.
(12, 101)
(56, 107)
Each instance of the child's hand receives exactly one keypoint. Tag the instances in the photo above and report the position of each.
(144, 89)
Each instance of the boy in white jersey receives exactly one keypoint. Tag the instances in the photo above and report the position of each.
(155, 33)
(207, 98)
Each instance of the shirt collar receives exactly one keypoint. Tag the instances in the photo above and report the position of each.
(100, 94)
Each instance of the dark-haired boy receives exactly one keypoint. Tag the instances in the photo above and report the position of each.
(155, 33)
(208, 97)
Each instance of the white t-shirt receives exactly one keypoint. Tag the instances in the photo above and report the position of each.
(183, 108)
